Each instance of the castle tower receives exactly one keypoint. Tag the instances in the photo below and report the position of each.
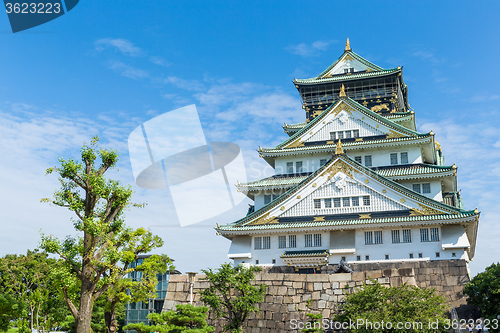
(355, 182)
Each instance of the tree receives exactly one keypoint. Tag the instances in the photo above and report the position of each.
(10, 309)
(100, 256)
(232, 295)
(376, 307)
(185, 319)
(30, 280)
(484, 291)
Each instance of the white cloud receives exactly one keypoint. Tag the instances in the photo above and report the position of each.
(478, 98)
(160, 61)
(191, 85)
(308, 50)
(123, 45)
(127, 70)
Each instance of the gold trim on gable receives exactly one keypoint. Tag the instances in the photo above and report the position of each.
(365, 216)
(319, 219)
(295, 144)
(424, 210)
(265, 219)
(338, 166)
(394, 135)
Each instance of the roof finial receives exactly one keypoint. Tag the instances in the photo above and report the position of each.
(347, 45)
(342, 91)
(339, 150)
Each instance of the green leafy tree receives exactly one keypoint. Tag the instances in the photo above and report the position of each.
(29, 279)
(185, 319)
(232, 294)
(101, 254)
(381, 305)
(10, 309)
(484, 291)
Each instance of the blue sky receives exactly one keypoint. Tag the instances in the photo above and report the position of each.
(108, 66)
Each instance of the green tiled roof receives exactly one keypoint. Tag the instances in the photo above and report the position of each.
(355, 56)
(418, 218)
(295, 126)
(360, 75)
(359, 107)
(344, 144)
(413, 169)
(404, 170)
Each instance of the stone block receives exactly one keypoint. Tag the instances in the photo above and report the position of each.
(317, 277)
(282, 290)
(309, 286)
(302, 307)
(291, 308)
(383, 280)
(321, 304)
(325, 313)
(326, 285)
(338, 277)
(298, 285)
(325, 297)
(287, 300)
(296, 299)
(315, 295)
(351, 284)
(306, 297)
(291, 291)
(335, 285)
(358, 276)
(178, 278)
(272, 276)
(452, 280)
(368, 282)
(409, 280)
(318, 286)
(341, 298)
(406, 272)
(387, 272)
(373, 274)
(337, 292)
(278, 299)
(395, 281)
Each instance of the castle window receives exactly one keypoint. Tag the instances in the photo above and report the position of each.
(358, 159)
(267, 199)
(343, 259)
(404, 158)
(336, 202)
(434, 234)
(453, 254)
(332, 136)
(355, 133)
(368, 160)
(394, 159)
(420, 255)
(317, 240)
(426, 188)
(308, 240)
(317, 203)
(257, 243)
(366, 200)
(348, 134)
(340, 135)
(266, 242)
(298, 167)
(322, 162)
(438, 255)
(377, 237)
(395, 236)
(274, 261)
(368, 237)
(292, 241)
(346, 202)
(424, 235)
(289, 167)
(256, 261)
(367, 257)
(355, 201)
(328, 203)
(406, 235)
(411, 255)
(416, 188)
(358, 258)
(281, 242)
(386, 257)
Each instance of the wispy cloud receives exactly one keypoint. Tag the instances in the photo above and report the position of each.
(123, 45)
(308, 50)
(191, 85)
(478, 98)
(127, 70)
(428, 56)
(159, 61)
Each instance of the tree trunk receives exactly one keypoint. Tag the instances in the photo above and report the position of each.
(32, 308)
(110, 318)
(85, 310)
(37, 313)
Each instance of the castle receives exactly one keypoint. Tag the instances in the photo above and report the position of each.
(355, 183)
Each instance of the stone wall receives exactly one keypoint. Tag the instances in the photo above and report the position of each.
(290, 296)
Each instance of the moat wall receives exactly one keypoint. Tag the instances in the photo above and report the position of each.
(290, 295)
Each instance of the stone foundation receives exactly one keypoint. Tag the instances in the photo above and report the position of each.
(290, 296)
